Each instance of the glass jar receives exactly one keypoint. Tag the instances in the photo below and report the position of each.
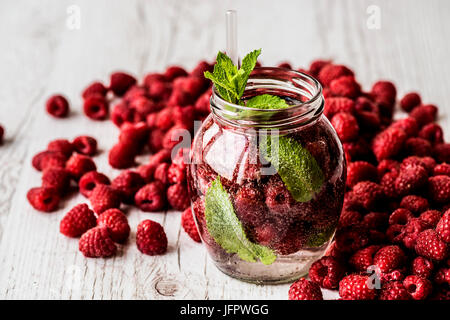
(269, 204)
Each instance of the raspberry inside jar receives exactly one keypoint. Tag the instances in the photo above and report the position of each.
(267, 185)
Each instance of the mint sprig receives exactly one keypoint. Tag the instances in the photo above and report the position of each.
(226, 229)
(267, 101)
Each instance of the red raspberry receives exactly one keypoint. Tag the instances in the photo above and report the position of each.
(387, 165)
(384, 93)
(103, 197)
(56, 178)
(160, 90)
(146, 172)
(151, 78)
(409, 125)
(346, 126)
(176, 173)
(303, 289)
(201, 67)
(144, 106)
(368, 194)
(400, 216)
(442, 169)
(193, 86)
(174, 72)
(57, 106)
(249, 203)
(94, 88)
(415, 204)
(424, 114)
(441, 293)
(368, 121)
(151, 197)
(120, 82)
(388, 143)
(441, 152)
(418, 287)
(164, 119)
(155, 140)
(96, 107)
(77, 221)
(425, 162)
(90, 180)
(202, 104)
(178, 197)
(394, 233)
(43, 199)
(442, 276)
(362, 259)
(133, 93)
(151, 238)
(160, 157)
(121, 156)
(97, 243)
(387, 183)
(85, 145)
(284, 65)
(418, 147)
(443, 227)
(79, 164)
(394, 291)
(360, 171)
(327, 272)
(121, 114)
(278, 198)
(389, 258)
(422, 267)
(134, 135)
(351, 239)
(429, 245)
(410, 179)
(357, 149)
(184, 116)
(61, 145)
(161, 173)
(48, 159)
(188, 223)
(375, 221)
(431, 217)
(349, 218)
(127, 183)
(410, 101)
(439, 189)
(316, 66)
(331, 71)
(433, 133)
(336, 105)
(174, 136)
(345, 86)
(117, 224)
(356, 287)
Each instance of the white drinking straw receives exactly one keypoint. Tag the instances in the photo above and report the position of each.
(232, 51)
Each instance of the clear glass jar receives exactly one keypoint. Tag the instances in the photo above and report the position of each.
(228, 146)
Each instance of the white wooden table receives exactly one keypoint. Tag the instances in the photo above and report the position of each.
(40, 55)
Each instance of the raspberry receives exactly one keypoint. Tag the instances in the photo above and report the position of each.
(331, 71)
(384, 93)
(90, 180)
(443, 227)
(77, 221)
(164, 119)
(326, 272)
(441, 152)
(418, 147)
(360, 171)
(409, 125)
(424, 162)
(97, 243)
(57, 106)
(387, 183)
(351, 239)
(429, 245)
(155, 140)
(362, 259)
(174, 136)
(431, 217)
(134, 92)
(85, 145)
(184, 116)
(151, 197)
(388, 143)
(278, 198)
(43, 199)
(174, 72)
(442, 169)
(389, 258)
(127, 183)
(424, 114)
(94, 88)
(56, 178)
(418, 287)
(146, 172)
(400, 216)
(368, 121)
(316, 66)
(368, 194)
(441, 293)
(345, 86)
(248, 204)
(144, 106)
(338, 104)
(192, 86)
(151, 238)
(104, 197)
(160, 90)
(120, 82)
(346, 126)
(117, 224)
(79, 164)
(439, 189)
(161, 173)
(176, 173)
(121, 114)
(356, 287)
(442, 276)
(303, 289)
(188, 223)
(433, 133)
(422, 267)
(394, 291)
(201, 67)
(48, 159)
(410, 179)
(121, 156)
(410, 101)
(96, 107)
(178, 197)
(134, 135)
(202, 104)
(349, 218)
(394, 233)
(151, 78)
(61, 145)
(415, 204)
(160, 157)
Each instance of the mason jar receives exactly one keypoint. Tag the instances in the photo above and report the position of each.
(267, 185)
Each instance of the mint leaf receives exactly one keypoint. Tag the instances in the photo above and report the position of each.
(318, 239)
(297, 168)
(226, 229)
(267, 101)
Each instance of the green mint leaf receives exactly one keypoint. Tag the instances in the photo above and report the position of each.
(318, 239)
(297, 168)
(267, 101)
(248, 64)
(226, 229)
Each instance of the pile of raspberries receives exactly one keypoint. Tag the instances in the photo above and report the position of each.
(393, 237)
(150, 117)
